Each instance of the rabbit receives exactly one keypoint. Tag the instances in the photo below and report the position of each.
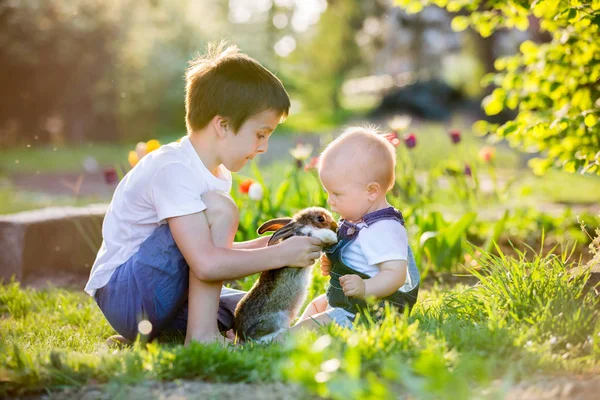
(276, 297)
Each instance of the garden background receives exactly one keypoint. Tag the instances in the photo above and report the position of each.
(493, 109)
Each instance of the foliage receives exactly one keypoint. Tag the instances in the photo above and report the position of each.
(329, 54)
(553, 85)
(595, 249)
(104, 70)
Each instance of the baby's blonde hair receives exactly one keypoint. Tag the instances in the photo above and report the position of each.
(365, 146)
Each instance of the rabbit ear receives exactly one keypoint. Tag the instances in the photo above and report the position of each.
(283, 233)
(273, 225)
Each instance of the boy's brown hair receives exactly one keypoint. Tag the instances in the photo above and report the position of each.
(228, 83)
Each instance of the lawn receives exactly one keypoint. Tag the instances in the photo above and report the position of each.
(524, 319)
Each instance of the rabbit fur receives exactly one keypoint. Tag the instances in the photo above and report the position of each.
(276, 297)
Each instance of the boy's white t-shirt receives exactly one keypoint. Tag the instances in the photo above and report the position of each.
(384, 240)
(168, 182)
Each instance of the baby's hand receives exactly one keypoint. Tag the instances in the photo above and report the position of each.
(325, 265)
(353, 286)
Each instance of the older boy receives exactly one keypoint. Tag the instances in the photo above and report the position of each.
(168, 233)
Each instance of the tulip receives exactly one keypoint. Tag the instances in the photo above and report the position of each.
(141, 150)
(152, 145)
(468, 170)
(455, 136)
(312, 164)
(487, 154)
(301, 152)
(133, 158)
(245, 186)
(399, 123)
(392, 137)
(410, 140)
(110, 176)
(90, 164)
(255, 191)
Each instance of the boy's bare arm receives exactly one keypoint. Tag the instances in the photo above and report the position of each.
(252, 244)
(209, 263)
(391, 276)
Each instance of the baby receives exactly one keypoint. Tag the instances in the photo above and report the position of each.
(372, 257)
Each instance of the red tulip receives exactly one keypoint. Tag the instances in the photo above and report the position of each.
(487, 153)
(245, 185)
(110, 176)
(410, 140)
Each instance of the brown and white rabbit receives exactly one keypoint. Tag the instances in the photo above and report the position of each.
(276, 297)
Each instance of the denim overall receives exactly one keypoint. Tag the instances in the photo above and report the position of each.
(347, 233)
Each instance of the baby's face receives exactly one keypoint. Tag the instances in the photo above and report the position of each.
(347, 194)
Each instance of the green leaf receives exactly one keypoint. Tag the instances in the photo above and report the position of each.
(522, 23)
(590, 120)
(281, 193)
(528, 47)
(460, 23)
(459, 228)
(427, 236)
(414, 7)
(493, 104)
(257, 174)
(481, 128)
(497, 232)
(539, 165)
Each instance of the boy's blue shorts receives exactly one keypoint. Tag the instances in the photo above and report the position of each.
(153, 285)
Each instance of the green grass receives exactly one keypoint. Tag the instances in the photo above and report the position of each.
(562, 187)
(526, 318)
(12, 201)
(28, 160)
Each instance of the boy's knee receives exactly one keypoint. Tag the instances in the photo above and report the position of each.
(220, 207)
(321, 301)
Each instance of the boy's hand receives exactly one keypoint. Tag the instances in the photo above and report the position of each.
(265, 242)
(353, 286)
(301, 251)
(325, 265)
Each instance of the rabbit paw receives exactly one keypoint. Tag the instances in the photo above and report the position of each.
(327, 236)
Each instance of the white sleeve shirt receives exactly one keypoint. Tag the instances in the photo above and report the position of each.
(175, 193)
(168, 182)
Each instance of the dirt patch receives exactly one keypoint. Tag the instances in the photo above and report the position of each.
(572, 387)
(180, 390)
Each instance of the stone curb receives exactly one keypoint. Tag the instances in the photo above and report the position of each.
(54, 239)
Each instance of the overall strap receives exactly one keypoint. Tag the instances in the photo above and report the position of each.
(384, 213)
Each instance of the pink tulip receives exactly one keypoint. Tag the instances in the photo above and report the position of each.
(392, 137)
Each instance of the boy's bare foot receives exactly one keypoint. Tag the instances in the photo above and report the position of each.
(218, 338)
(230, 334)
(117, 341)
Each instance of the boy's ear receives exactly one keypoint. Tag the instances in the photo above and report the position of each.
(221, 125)
(373, 190)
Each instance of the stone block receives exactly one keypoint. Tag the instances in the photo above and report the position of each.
(50, 240)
